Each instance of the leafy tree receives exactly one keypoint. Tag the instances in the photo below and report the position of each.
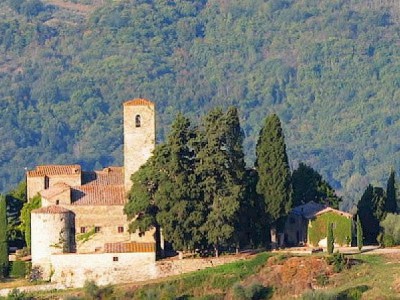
(15, 200)
(391, 199)
(274, 182)
(391, 227)
(330, 239)
(308, 185)
(25, 225)
(3, 238)
(220, 169)
(359, 234)
(141, 207)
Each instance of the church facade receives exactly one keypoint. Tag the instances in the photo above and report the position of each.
(81, 232)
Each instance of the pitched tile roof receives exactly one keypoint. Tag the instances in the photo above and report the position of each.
(54, 190)
(138, 101)
(108, 176)
(52, 209)
(312, 209)
(98, 195)
(55, 170)
(129, 247)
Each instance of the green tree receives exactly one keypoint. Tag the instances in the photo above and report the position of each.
(25, 225)
(391, 199)
(220, 169)
(274, 182)
(141, 207)
(308, 185)
(3, 238)
(367, 208)
(15, 200)
(330, 239)
(359, 234)
(180, 212)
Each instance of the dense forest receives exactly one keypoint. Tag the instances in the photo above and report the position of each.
(328, 68)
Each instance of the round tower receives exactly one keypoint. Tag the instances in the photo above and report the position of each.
(139, 136)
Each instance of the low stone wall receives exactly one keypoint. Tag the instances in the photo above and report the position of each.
(72, 270)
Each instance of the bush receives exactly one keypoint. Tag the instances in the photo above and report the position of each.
(391, 228)
(93, 291)
(16, 294)
(388, 240)
(256, 291)
(322, 280)
(319, 295)
(19, 269)
(338, 261)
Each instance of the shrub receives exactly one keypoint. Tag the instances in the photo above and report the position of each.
(338, 261)
(93, 291)
(16, 294)
(19, 269)
(391, 227)
(256, 291)
(388, 240)
(238, 292)
(322, 280)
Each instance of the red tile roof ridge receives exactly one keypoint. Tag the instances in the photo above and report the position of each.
(52, 209)
(138, 101)
(44, 170)
(328, 209)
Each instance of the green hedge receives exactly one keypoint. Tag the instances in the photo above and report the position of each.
(19, 269)
(342, 230)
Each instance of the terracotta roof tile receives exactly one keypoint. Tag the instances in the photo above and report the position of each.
(52, 209)
(54, 170)
(108, 176)
(129, 247)
(54, 190)
(98, 195)
(138, 101)
(339, 212)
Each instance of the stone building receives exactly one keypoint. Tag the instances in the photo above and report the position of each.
(81, 232)
(307, 225)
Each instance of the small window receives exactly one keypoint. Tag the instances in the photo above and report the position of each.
(97, 229)
(138, 121)
(120, 229)
(57, 202)
(115, 258)
(83, 229)
(97, 249)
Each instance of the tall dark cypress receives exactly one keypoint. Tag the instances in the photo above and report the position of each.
(180, 214)
(367, 213)
(272, 165)
(391, 201)
(3, 238)
(220, 170)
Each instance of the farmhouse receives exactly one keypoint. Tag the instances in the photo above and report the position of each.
(307, 225)
(81, 232)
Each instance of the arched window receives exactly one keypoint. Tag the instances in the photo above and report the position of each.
(137, 121)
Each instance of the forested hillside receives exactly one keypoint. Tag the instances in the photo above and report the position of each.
(329, 68)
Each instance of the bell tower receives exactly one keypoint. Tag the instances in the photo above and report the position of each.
(139, 136)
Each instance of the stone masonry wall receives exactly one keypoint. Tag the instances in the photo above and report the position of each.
(139, 142)
(108, 219)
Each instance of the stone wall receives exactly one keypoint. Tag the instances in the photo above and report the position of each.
(72, 270)
(107, 219)
(34, 185)
(139, 142)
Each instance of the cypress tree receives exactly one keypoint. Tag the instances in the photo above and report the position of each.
(3, 238)
(220, 169)
(359, 234)
(367, 207)
(274, 183)
(391, 201)
(180, 214)
(330, 239)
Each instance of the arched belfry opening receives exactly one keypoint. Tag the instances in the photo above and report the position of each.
(138, 121)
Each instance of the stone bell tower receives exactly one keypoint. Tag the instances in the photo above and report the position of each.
(139, 136)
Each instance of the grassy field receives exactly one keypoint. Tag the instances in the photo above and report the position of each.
(369, 277)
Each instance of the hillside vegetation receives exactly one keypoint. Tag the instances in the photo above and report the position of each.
(329, 69)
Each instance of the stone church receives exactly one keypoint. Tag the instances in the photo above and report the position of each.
(81, 233)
